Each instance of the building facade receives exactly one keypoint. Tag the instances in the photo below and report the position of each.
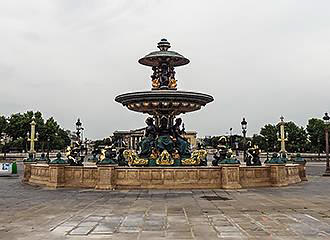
(130, 138)
(191, 137)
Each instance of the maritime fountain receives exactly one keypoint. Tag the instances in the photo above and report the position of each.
(164, 144)
(164, 160)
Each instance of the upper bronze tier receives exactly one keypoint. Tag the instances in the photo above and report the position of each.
(155, 59)
(164, 99)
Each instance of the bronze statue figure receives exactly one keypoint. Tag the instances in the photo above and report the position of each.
(148, 142)
(164, 77)
(253, 158)
(181, 143)
(164, 140)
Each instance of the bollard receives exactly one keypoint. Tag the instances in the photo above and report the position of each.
(14, 168)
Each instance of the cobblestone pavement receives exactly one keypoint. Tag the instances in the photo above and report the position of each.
(300, 211)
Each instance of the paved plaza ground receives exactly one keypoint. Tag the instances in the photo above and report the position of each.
(300, 211)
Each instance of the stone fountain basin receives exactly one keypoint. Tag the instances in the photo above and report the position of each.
(164, 101)
(107, 177)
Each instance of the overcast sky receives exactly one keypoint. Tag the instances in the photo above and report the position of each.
(258, 59)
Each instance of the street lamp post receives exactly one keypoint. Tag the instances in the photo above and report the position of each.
(48, 147)
(326, 120)
(231, 137)
(267, 147)
(244, 130)
(318, 147)
(26, 142)
(79, 128)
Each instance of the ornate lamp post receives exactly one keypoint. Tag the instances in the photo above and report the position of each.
(33, 136)
(244, 130)
(319, 147)
(79, 128)
(283, 137)
(48, 142)
(326, 120)
(231, 137)
(267, 147)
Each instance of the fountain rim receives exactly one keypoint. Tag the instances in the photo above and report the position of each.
(176, 59)
(164, 95)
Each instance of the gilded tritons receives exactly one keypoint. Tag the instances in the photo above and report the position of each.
(196, 158)
(102, 154)
(154, 154)
(132, 158)
(155, 83)
(176, 155)
(172, 83)
(165, 159)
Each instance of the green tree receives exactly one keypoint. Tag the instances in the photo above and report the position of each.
(18, 127)
(3, 124)
(269, 132)
(48, 132)
(17, 145)
(316, 137)
(260, 141)
(297, 137)
(51, 131)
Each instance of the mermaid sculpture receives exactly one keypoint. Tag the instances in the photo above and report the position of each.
(148, 142)
(181, 144)
(164, 140)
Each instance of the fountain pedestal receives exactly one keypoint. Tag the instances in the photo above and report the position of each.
(106, 175)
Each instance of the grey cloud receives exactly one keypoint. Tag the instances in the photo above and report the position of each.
(31, 36)
(259, 59)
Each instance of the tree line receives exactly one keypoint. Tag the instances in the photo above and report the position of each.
(17, 127)
(299, 139)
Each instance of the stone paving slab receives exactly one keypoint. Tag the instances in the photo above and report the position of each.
(299, 211)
